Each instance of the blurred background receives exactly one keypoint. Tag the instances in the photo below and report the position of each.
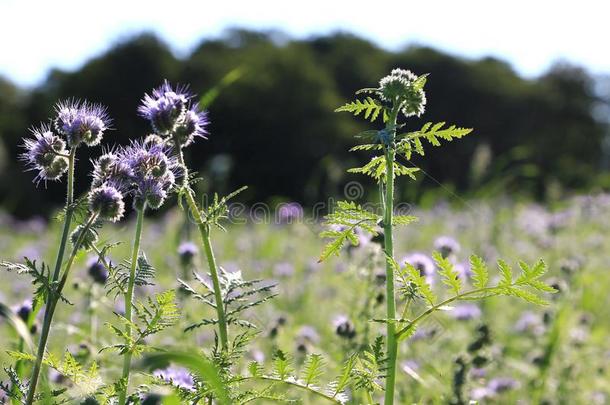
(532, 79)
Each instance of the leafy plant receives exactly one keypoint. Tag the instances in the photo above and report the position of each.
(402, 94)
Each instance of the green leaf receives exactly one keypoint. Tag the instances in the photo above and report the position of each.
(480, 274)
(507, 274)
(369, 106)
(450, 276)
(403, 219)
(313, 369)
(204, 369)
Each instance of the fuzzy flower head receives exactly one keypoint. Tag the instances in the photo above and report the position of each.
(447, 246)
(45, 153)
(107, 202)
(402, 86)
(81, 121)
(187, 252)
(151, 172)
(96, 270)
(172, 114)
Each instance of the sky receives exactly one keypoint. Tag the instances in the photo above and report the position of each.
(36, 35)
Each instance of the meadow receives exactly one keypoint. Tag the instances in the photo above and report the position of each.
(561, 350)
(214, 302)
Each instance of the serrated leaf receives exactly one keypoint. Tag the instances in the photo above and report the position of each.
(480, 273)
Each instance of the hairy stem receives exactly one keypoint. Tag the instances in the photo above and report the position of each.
(46, 326)
(135, 253)
(392, 343)
(204, 231)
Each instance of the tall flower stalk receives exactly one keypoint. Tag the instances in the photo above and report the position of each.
(145, 171)
(76, 123)
(178, 122)
(401, 93)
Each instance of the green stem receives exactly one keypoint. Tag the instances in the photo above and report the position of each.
(204, 231)
(135, 253)
(392, 344)
(441, 304)
(46, 326)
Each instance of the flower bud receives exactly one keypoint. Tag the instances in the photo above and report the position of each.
(107, 202)
(88, 240)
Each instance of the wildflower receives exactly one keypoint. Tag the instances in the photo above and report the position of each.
(530, 322)
(447, 246)
(283, 269)
(96, 270)
(289, 213)
(191, 126)
(107, 202)
(465, 312)
(308, 333)
(344, 327)
(149, 172)
(502, 384)
(187, 252)
(23, 310)
(46, 154)
(81, 121)
(177, 376)
(423, 263)
(400, 85)
(87, 241)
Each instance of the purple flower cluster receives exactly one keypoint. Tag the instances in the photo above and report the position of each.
(172, 114)
(75, 122)
(81, 121)
(177, 376)
(144, 169)
(46, 153)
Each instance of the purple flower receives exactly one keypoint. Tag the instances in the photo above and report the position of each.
(529, 322)
(96, 270)
(423, 263)
(309, 334)
(143, 169)
(81, 121)
(283, 269)
(23, 310)
(187, 251)
(447, 246)
(288, 213)
(176, 376)
(107, 202)
(344, 327)
(191, 126)
(46, 154)
(465, 312)
(502, 384)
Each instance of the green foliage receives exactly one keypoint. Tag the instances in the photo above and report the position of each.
(153, 315)
(343, 223)
(526, 286)
(118, 276)
(85, 381)
(41, 278)
(450, 277)
(433, 133)
(238, 295)
(369, 106)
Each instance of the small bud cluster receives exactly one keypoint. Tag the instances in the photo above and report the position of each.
(399, 86)
(172, 114)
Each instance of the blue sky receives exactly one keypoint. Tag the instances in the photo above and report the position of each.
(36, 35)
